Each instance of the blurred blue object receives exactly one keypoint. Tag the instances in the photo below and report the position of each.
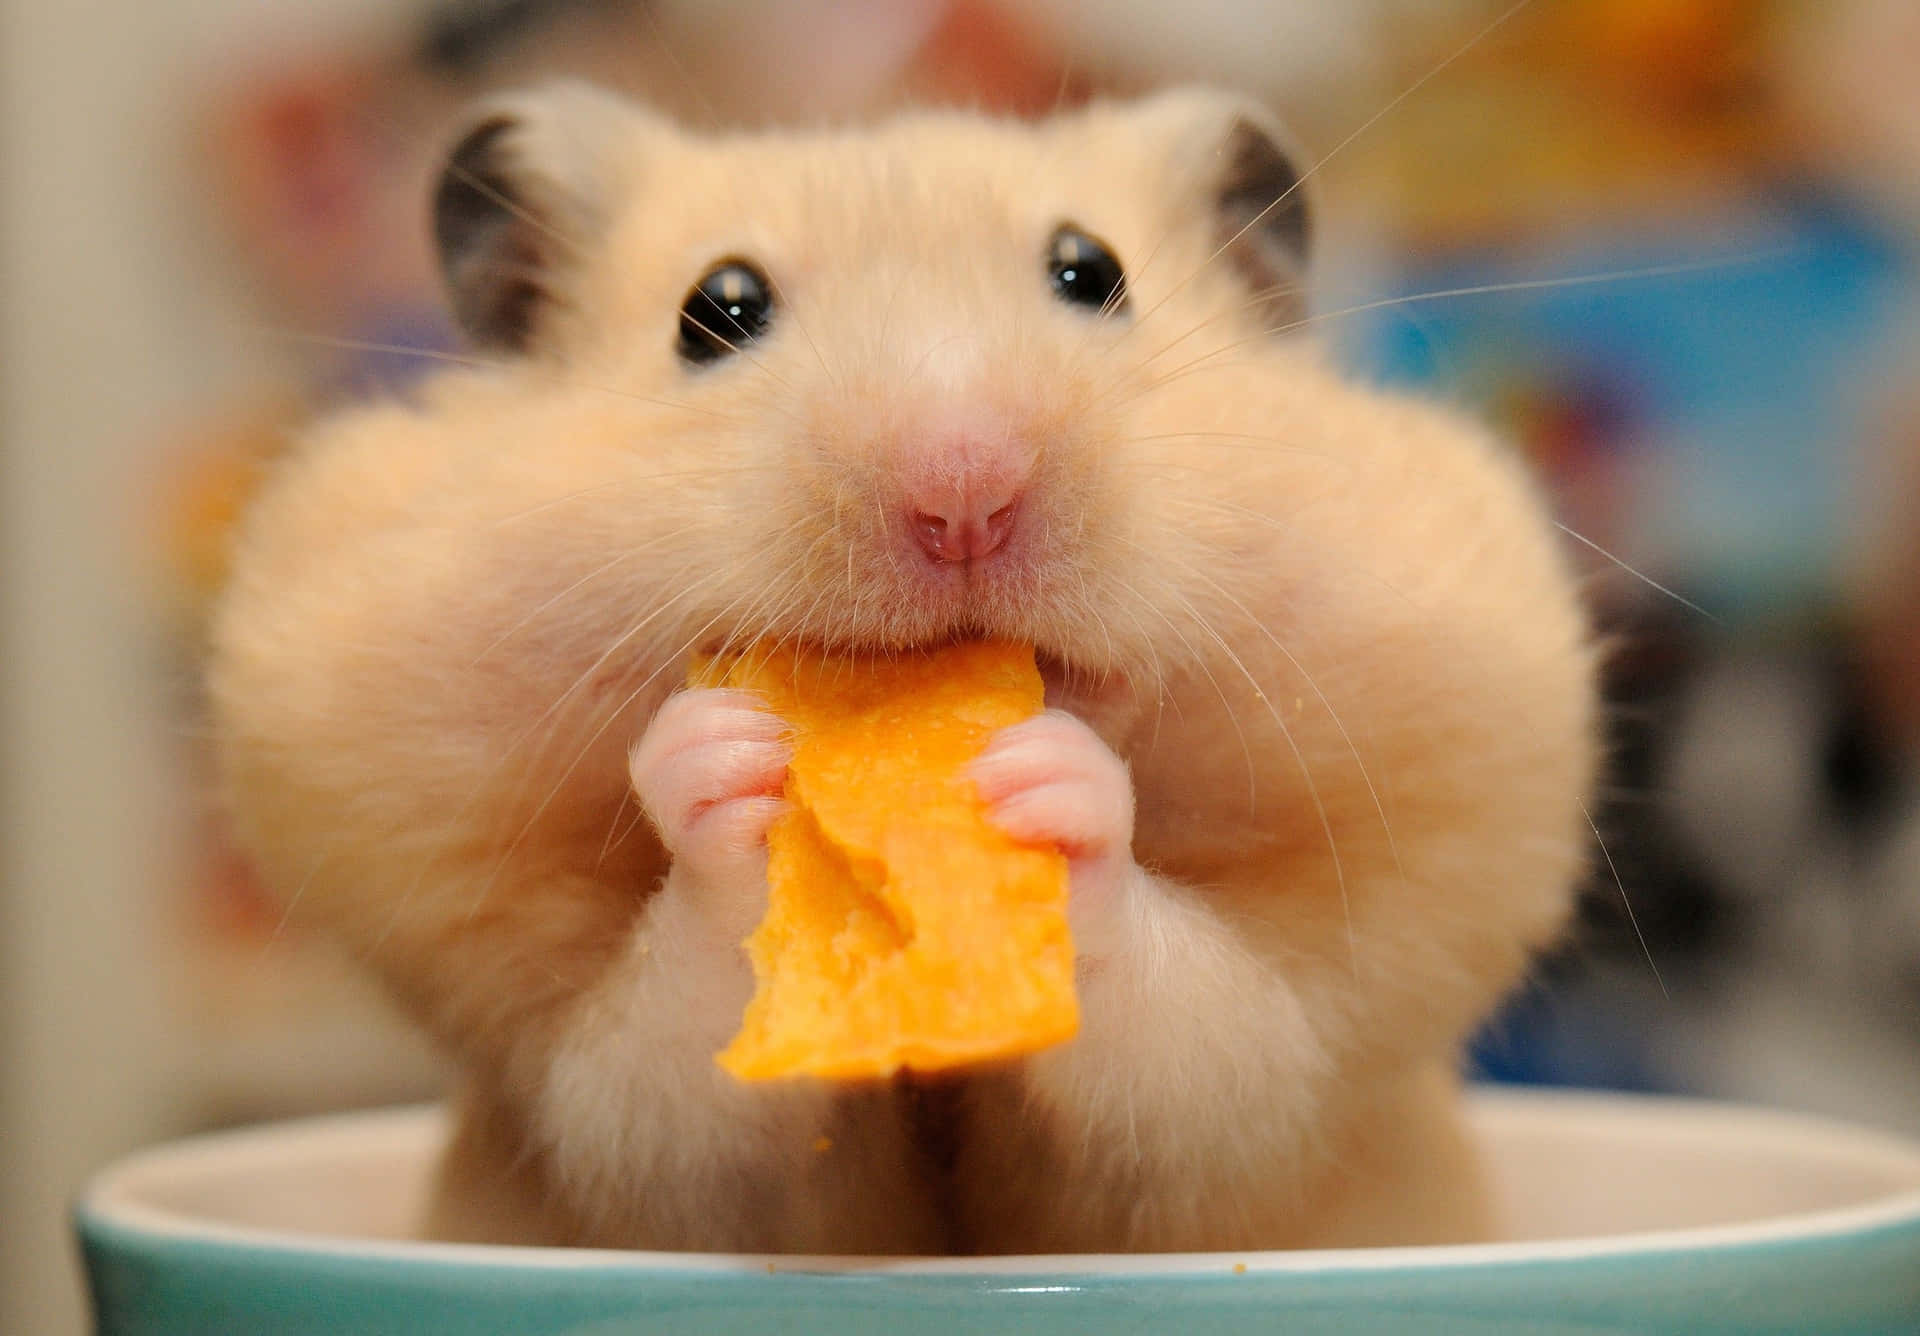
(1734, 361)
(1564, 1036)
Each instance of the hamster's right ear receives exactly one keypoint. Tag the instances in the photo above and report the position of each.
(1235, 158)
(525, 192)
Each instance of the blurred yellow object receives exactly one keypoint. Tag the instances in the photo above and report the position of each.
(1579, 115)
(1690, 47)
(211, 477)
(903, 929)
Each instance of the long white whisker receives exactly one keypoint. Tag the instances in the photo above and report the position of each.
(481, 785)
(1594, 827)
(1306, 771)
(788, 308)
(1204, 360)
(1641, 576)
(634, 480)
(1325, 704)
(742, 348)
(627, 818)
(1339, 148)
(482, 363)
(1264, 444)
(1200, 662)
(1254, 300)
(586, 749)
(618, 559)
(513, 207)
(1671, 270)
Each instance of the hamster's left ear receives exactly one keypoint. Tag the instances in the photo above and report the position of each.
(1241, 160)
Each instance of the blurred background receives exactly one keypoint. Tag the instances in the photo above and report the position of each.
(1669, 246)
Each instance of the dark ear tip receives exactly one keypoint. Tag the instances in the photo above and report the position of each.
(491, 259)
(472, 191)
(520, 193)
(476, 146)
(1262, 181)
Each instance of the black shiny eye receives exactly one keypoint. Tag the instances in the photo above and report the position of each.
(1085, 273)
(730, 307)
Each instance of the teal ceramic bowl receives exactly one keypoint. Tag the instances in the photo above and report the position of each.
(1624, 1215)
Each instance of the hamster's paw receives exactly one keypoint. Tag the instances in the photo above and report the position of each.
(708, 772)
(1051, 780)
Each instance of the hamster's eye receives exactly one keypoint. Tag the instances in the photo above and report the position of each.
(1085, 273)
(728, 308)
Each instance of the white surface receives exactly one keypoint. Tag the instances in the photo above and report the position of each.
(1576, 1174)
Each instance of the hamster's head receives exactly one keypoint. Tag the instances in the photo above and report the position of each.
(888, 382)
(888, 387)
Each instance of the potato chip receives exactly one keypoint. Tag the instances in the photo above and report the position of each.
(903, 929)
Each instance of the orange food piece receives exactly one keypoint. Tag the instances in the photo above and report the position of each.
(903, 929)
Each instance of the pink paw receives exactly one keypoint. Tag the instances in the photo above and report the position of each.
(708, 772)
(1051, 780)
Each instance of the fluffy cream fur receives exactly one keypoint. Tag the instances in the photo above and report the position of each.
(1327, 629)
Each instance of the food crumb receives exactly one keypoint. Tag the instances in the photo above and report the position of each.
(1239, 1268)
(769, 1268)
(822, 1144)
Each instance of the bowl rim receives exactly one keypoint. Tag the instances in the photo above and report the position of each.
(109, 1206)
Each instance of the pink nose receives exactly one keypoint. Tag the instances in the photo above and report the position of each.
(956, 523)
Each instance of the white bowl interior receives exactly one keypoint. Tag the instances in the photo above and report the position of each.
(1564, 1166)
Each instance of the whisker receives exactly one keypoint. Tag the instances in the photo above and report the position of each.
(800, 325)
(468, 360)
(618, 644)
(1083, 611)
(1065, 86)
(627, 481)
(1200, 662)
(513, 206)
(665, 44)
(1155, 663)
(618, 559)
(627, 818)
(1264, 444)
(741, 348)
(1439, 638)
(627, 636)
(402, 129)
(1373, 792)
(615, 834)
(1306, 771)
(1255, 300)
(1591, 825)
(753, 616)
(1339, 148)
(1641, 576)
(1676, 269)
(586, 749)
(525, 735)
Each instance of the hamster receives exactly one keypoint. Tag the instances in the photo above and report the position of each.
(1322, 692)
